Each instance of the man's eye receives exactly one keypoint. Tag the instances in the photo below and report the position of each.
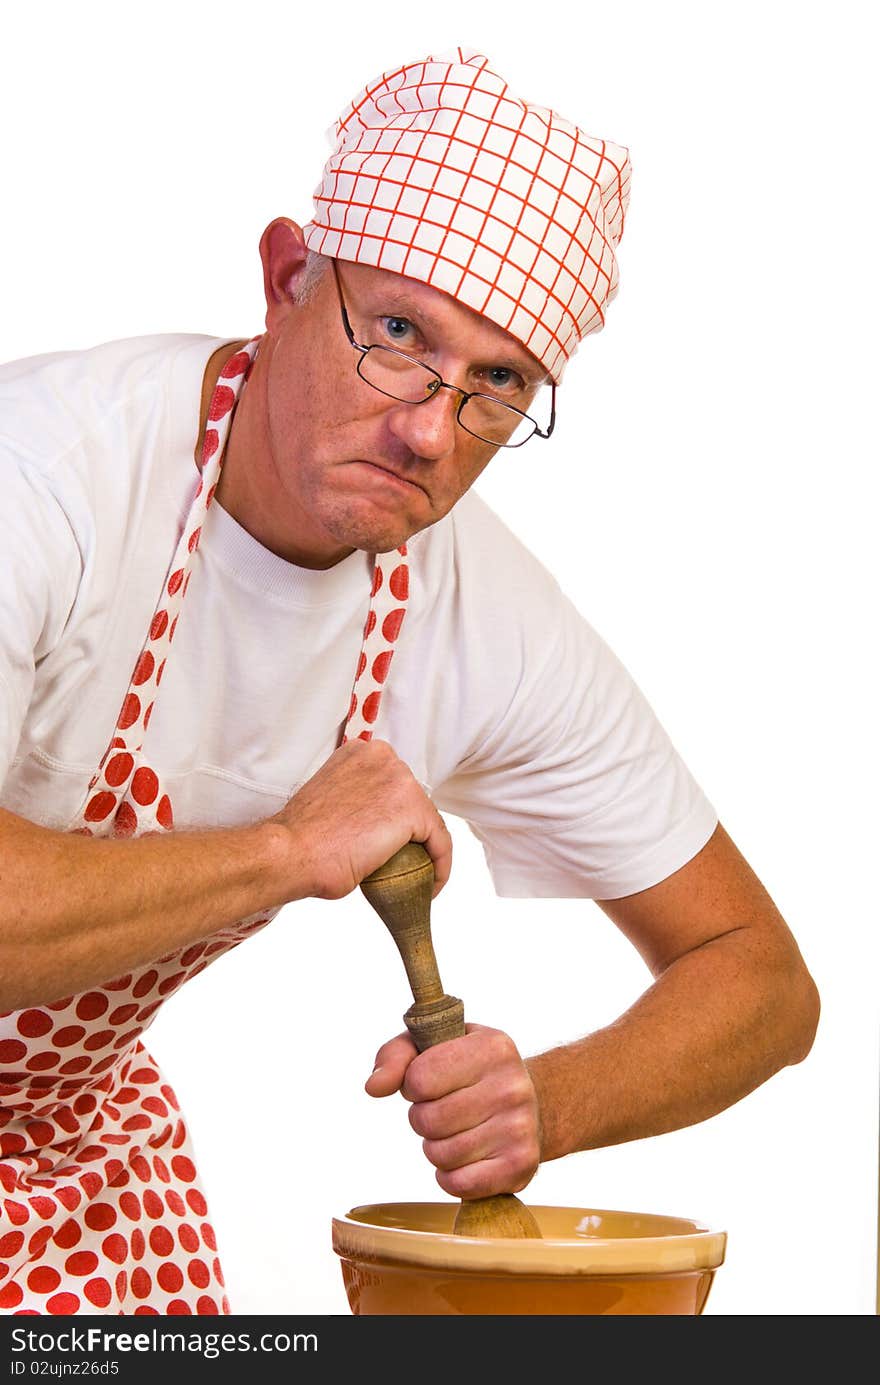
(503, 379)
(397, 328)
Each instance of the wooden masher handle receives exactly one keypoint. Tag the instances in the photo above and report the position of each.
(400, 892)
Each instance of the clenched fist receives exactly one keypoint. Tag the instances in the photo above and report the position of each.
(361, 806)
(474, 1105)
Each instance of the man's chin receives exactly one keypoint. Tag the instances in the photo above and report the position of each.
(372, 535)
(371, 541)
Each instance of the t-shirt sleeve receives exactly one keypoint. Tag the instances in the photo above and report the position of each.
(576, 791)
(40, 569)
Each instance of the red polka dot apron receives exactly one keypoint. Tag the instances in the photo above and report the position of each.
(101, 1210)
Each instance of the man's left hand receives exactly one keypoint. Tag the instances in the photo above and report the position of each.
(474, 1105)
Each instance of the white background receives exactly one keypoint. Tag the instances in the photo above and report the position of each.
(710, 504)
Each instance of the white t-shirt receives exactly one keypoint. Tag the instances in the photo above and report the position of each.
(504, 702)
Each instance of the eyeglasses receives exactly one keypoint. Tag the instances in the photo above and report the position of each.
(400, 376)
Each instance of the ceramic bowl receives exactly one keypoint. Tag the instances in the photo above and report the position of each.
(402, 1258)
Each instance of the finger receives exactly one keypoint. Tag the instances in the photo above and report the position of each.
(438, 844)
(469, 1147)
(511, 1137)
(461, 1110)
(486, 1178)
(481, 1054)
(390, 1066)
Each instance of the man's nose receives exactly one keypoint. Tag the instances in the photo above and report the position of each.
(428, 428)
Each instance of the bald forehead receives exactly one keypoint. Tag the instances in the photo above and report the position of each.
(384, 291)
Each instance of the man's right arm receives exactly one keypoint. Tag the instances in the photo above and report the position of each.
(77, 911)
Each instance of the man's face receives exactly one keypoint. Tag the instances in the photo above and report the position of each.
(349, 467)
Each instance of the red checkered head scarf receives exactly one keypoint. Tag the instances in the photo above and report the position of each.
(441, 173)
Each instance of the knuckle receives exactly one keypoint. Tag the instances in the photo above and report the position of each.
(418, 1080)
(419, 1120)
(507, 1049)
(469, 1182)
(455, 1181)
(524, 1176)
(436, 1154)
(497, 1045)
(446, 1182)
(526, 1100)
(523, 1162)
(413, 1087)
(520, 1128)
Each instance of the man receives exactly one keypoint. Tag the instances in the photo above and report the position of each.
(179, 645)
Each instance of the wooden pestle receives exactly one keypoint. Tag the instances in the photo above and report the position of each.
(400, 892)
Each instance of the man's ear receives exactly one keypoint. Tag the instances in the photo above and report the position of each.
(283, 253)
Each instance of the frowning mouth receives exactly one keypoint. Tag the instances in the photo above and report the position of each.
(387, 475)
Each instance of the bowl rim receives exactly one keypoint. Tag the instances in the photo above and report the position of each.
(676, 1253)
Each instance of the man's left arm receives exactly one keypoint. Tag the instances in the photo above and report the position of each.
(731, 1004)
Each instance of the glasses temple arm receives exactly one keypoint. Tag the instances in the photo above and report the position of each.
(552, 422)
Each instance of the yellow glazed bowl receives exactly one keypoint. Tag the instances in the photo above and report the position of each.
(402, 1258)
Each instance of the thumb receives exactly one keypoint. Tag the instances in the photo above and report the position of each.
(392, 1061)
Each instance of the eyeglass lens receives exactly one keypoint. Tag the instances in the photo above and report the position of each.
(403, 378)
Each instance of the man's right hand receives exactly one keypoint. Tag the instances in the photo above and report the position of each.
(76, 910)
(361, 806)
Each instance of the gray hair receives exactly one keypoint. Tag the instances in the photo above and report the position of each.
(302, 288)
